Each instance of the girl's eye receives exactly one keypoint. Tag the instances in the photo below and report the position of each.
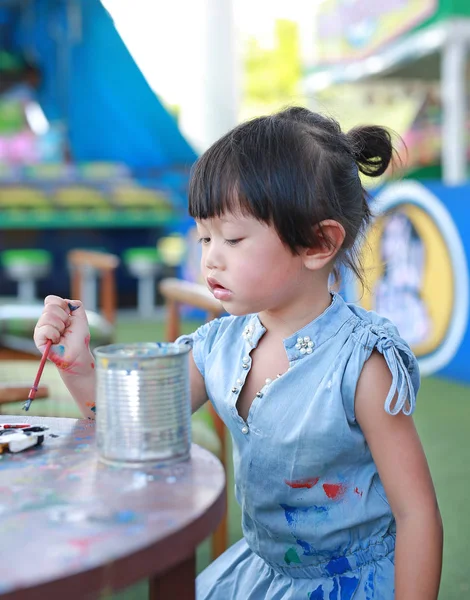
(204, 240)
(233, 242)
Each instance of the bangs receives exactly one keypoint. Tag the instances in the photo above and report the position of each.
(264, 169)
(217, 185)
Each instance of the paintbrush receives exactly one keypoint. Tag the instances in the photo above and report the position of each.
(34, 389)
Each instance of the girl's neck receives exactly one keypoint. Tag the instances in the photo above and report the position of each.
(284, 323)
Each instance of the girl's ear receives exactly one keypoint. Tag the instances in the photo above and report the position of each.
(331, 236)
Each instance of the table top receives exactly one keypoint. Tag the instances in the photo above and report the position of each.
(66, 517)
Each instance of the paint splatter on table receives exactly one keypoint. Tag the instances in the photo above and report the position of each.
(64, 514)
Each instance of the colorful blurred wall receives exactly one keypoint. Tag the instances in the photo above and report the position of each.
(406, 63)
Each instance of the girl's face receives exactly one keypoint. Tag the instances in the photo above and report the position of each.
(247, 267)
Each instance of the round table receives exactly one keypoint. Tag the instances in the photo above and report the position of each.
(72, 527)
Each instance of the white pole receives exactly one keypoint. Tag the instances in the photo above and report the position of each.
(146, 295)
(26, 291)
(210, 71)
(221, 110)
(454, 110)
(90, 288)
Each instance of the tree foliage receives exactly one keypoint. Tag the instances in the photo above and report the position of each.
(272, 76)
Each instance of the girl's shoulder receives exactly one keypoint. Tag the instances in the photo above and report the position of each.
(369, 322)
(372, 332)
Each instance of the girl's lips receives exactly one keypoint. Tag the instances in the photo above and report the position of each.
(213, 283)
(219, 291)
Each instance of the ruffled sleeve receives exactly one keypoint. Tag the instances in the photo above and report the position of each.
(201, 342)
(380, 334)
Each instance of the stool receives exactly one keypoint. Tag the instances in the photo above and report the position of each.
(25, 267)
(89, 279)
(83, 262)
(144, 264)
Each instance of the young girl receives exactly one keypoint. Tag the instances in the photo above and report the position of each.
(335, 491)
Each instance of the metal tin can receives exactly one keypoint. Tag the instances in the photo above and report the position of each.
(143, 408)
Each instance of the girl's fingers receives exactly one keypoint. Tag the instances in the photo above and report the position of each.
(61, 315)
(59, 322)
(66, 304)
(45, 333)
(55, 300)
(75, 304)
(57, 311)
(78, 313)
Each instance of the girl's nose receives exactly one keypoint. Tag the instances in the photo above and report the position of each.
(212, 257)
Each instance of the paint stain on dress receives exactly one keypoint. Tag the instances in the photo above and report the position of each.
(334, 491)
(348, 586)
(291, 556)
(308, 549)
(338, 566)
(369, 586)
(334, 592)
(308, 483)
(317, 594)
(294, 513)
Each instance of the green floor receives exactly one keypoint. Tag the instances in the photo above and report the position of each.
(443, 420)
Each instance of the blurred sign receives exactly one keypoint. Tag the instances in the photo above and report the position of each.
(423, 139)
(417, 273)
(352, 29)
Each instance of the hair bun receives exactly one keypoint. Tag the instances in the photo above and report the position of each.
(372, 149)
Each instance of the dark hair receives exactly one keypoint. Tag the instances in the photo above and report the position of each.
(293, 170)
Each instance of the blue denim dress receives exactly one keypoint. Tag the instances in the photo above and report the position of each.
(316, 521)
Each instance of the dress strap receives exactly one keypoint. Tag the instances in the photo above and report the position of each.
(403, 367)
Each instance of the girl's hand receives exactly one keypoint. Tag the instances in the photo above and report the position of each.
(68, 329)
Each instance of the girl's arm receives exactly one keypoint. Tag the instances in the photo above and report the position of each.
(82, 386)
(198, 387)
(65, 323)
(403, 469)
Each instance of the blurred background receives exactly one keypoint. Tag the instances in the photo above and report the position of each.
(104, 107)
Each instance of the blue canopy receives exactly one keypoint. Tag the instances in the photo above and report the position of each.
(91, 82)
